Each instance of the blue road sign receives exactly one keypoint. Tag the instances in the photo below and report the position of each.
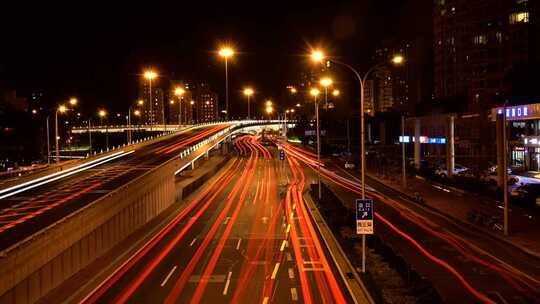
(364, 216)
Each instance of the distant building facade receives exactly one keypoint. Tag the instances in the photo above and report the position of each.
(206, 103)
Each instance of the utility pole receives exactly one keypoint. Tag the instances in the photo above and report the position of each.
(403, 160)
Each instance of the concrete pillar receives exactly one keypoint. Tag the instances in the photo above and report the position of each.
(450, 152)
(417, 146)
(382, 130)
(499, 125)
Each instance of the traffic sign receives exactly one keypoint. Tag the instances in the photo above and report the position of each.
(364, 216)
(281, 155)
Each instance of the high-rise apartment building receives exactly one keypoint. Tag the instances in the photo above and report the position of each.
(480, 47)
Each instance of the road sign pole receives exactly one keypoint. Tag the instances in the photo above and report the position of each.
(364, 224)
(363, 253)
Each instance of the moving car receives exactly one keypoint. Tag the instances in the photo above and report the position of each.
(443, 173)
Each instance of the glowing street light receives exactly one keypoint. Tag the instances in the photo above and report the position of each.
(140, 102)
(226, 52)
(326, 82)
(34, 111)
(137, 113)
(314, 92)
(336, 93)
(248, 92)
(317, 55)
(398, 59)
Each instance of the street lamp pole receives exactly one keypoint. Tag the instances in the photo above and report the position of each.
(90, 134)
(129, 125)
(48, 141)
(318, 56)
(248, 106)
(226, 52)
(315, 93)
(56, 136)
(226, 89)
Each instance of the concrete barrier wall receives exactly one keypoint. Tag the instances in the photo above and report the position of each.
(40, 263)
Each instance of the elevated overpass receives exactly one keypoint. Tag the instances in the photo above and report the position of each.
(58, 220)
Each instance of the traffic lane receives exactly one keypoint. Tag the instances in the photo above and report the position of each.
(151, 289)
(253, 249)
(223, 253)
(321, 287)
(70, 195)
(484, 279)
(126, 160)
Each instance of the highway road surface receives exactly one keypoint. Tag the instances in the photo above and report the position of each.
(32, 206)
(245, 237)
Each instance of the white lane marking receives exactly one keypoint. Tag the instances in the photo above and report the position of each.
(294, 294)
(238, 244)
(226, 220)
(291, 273)
(60, 176)
(289, 257)
(227, 283)
(168, 276)
(192, 242)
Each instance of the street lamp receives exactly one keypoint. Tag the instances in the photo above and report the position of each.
(151, 75)
(326, 82)
(102, 114)
(61, 109)
(318, 56)
(336, 93)
(315, 93)
(248, 92)
(191, 109)
(226, 52)
(179, 92)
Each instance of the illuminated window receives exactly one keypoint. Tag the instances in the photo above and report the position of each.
(480, 39)
(519, 17)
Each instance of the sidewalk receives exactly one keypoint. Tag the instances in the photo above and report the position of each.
(455, 203)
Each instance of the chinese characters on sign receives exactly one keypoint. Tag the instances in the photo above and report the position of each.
(364, 216)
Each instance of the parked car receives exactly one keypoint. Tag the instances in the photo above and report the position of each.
(528, 194)
(349, 165)
(443, 173)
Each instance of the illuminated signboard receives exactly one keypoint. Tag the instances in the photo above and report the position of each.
(523, 112)
(423, 140)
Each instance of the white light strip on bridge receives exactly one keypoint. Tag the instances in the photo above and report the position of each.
(56, 176)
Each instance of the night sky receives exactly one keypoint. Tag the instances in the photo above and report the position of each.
(96, 51)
